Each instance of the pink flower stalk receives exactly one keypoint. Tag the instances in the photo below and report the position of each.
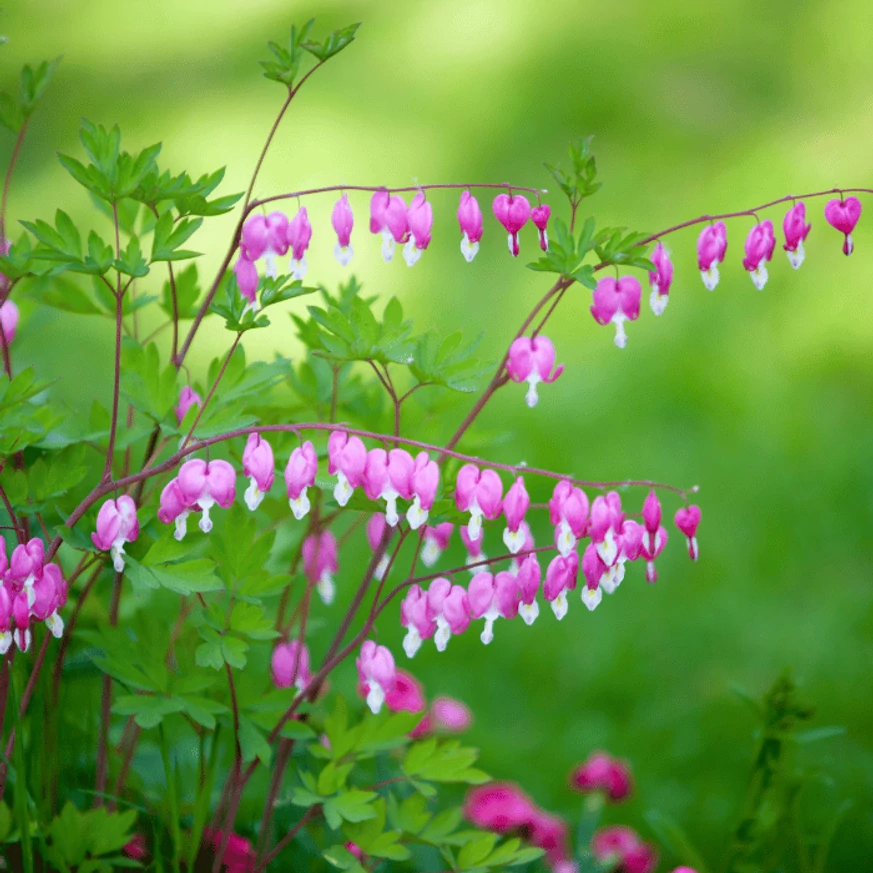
(415, 618)
(436, 541)
(515, 506)
(343, 221)
(320, 563)
(617, 301)
(388, 216)
(529, 576)
(289, 665)
(425, 481)
(387, 476)
(687, 520)
(239, 855)
(711, 250)
(602, 772)
(407, 694)
(475, 555)
(512, 213)
(568, 512)
(420, 218)
(451, 715)
(449, 606)
(117, 524)
(549, 832)
(376, 673)
(843, 215)
(188, 397)
(299, 476)
(621, 845)
(760, 244)
(203, 484)
(499, 806)
(594, 569)
(247, 280)
(532, 361)
(265, 236)
(561, 577)
(260, 466)
(661, 279)
(796, 230)
(479, 493)
(8, 321)
(376, 526)
(470, 220)
(493, 597)
(539, 215)
(347, 460)
(298, 237)
(174, 508)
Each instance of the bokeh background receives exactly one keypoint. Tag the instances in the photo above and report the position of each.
(763, 399)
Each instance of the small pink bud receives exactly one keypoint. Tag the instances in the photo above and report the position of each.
(407, 694)
(602, 772)
(532, 361)
(512, 213)
(652, 512)
(136, 847)
(796, 230)
(298, 237)
(760, 244)
(620, 845)
(260, 466)
(470, 220)
(498, 807)
(617, 301)
(451, 715)
(116, 525)
(255, 237)
(289, 665)
(8, 321)
(711, 250)
(843, 215)
(660, 280)
(299, 476)
(687, 520)
(188, 397)
(247, 280)
(320, 563)
(376, 673)
(343, 221)
(539, 215)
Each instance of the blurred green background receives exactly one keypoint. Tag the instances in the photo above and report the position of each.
(763, 399)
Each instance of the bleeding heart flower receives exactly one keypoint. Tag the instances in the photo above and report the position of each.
(711, 250)
(343, 221)
(470, 220)
(532, 361)
(844, 215)
(617, 301)
(796, 230)
(512, 213)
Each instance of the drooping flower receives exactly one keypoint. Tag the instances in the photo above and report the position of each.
(449, 606)
(568, 512)
(617, 301)
(387, 476)
(188, 397)
(420, 219)
(6, 622)
(602, 772)
(473, 547)
(174, 508)
(8, 321)
(539, 215)
(515, 506)
(470, 220)
(687, 520)
(289, 665)
(512, 213)
(551, 833)
(347, 460)
(493, 597)
(661, 279)
(499, 806)
(49, 595)
(247, 280)
(388, 216)
(711, 250)
(561, 577)
(605, 530)
(594, 569)
(406, 695)
(376, 526)
(343, 221)
(532, 361)
(415, 618)
(479, 493)
(299, 476)
(376, 673)
(529, 576)
(450, 714)
(436, 541)
(425, 481)
(298, 237)
(320, 563)
(203, 484)
(843, 215)
(620, 844)
(760, 244)
(239, 854)
(527, 546)
(265, 236)
(796, 230)
(117, 524)
(655, 536)
(260, 466)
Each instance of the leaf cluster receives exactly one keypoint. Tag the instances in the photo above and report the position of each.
(285, 65)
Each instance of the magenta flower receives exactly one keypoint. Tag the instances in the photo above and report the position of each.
(299, 476)
(561, 577)
(425, 482)
(760, 244)
(188, 397)
(388, 476)
(532, 361)
(687, 520)
(450, 714)
(515, 506)
(239, 855)
(654, 537)
(260, 466)
(116, 525)
(8, 321)
(594, 569)
(407, 694)
(415, 618)
(475, 555)
(529, 576)
(347, 460)
(470, 220)
(711, 250)
(549, 832)
(449, 606)
(602, 772)
(203, 484)
(174, 508)
(499, 806)
(843, 215)
(527, 546)
(796, 230)
(605, 530)
(620, 845)
(376, 673)
(265, 236)
(376, 526)
(436, 541)
(478, 493)
(420, 218)
(493, 597)
(512, 213)
(539, 215)
(568, 512)
(320, 563)
(289, 665)
(247, 280)
(343, 221)
(135, 847)
(6, 621)
(298, 236)
(49, 595)
(661, 279)
(388, 216)
(617, 301)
